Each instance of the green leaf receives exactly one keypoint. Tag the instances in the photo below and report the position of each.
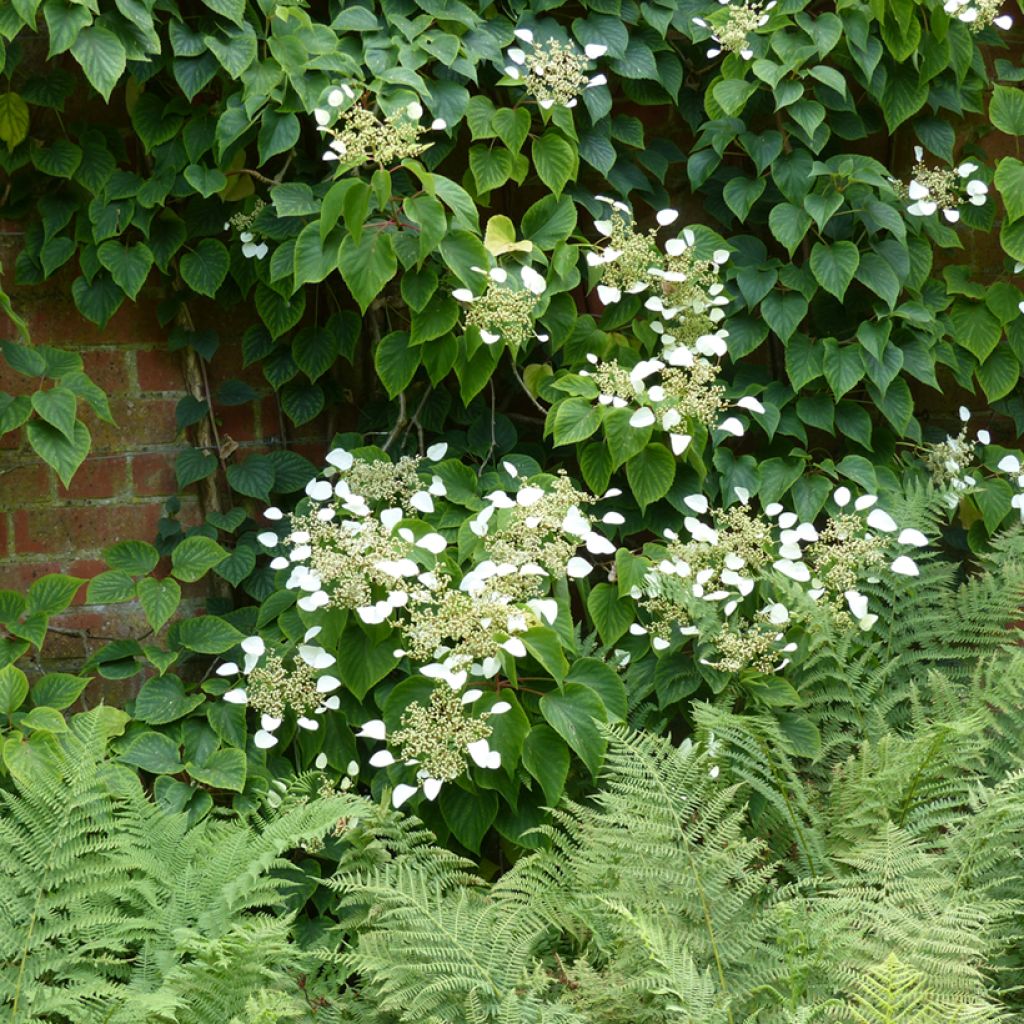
(223, 769)
(612, 614)
(57, 407)
(999, 374)
(843, 365)
(396, 361)
(52, 593)
(367, 265)
(975, 328)
(154, 752)
(207, 634)
(574, 420)
(129, 265)
(549, 221)
(650, 474)
(783, 312)
(102, 57)
(1006, 110)
(13, 689)
(789, 224)
(302, 401)
(555, 160)
(605, 682)
(1010, 182)
(362, 663)
(64, 455)
(193, 464)
(546, 649)
(546, 758)
(162, 699)
(905, 94)
(834, 265)
(112, 587)
(240, 563)
(576, 713)
(314, 350)
(194, 557)
(313, 258)
(278, 133)
(877, 274)
(48, 719)
(159, 600)
(254, 477)
(491, 167)
(777, 476)
(134, 556)
(731, 94)
(205, 267)
(741, 193)
(14, 119)
(59, 160)
(58, 690)
(207, 181)
(468, 815)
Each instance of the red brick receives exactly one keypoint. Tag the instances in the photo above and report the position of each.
(84, 568)
(24, 483)
(18, 575)
(82, 528)
(237, 421)
(138, 422)
(4, 533)
(97, 478)
(58, 322)
(159, 370)
(153, 474)
(108, 368)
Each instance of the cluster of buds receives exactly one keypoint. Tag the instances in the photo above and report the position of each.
(979, 14)
(360, 136)
(554, 73)
(435, 740)
(505, 310)
(933, 188)
(732, 32)
(728, 584)
(242, 223)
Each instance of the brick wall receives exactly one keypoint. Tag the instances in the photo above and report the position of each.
(120, 490)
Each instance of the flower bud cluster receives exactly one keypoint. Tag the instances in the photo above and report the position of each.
(731, 30)
(359, 136)
(729, 583)
(506, 309)
(242, 223)
(554, 73)
(979, 14)
(937, 188)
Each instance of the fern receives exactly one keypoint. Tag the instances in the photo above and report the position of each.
(112, 910)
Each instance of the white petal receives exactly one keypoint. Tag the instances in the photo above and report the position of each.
(273, 513)
(879, 519)
(913, 537)
(1009, 464)
(905, 566)
(375, 729)
(436, 452)
(666, 217)
(479, 751)
(532, 281)
(320, 490)
(310, 724)
(608, 295)
(731, 425)
(267, 539)
(382, 758)
(414, 110)
(236, 696)
(916, 190)
(595, 50)
(264, 740)
(431, 787)
(842, 496)
(402, 793)
(697, 502)
(577, 568)
(751, 403)
(515, 647)
(229, 668)
(463, 295)
(865, 501)
(525, 34)
(679, 443)
(642, 418)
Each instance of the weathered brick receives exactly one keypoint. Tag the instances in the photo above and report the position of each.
(153, 474)
(59, 323)
(82, 528)
(24, 480)
(101, 477)
(18, 575)
(138, 423)
(159, 369)
(237, 422)
(109, 369)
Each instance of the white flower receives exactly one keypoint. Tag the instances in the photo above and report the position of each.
(375, 729)
(666, 217)
(794, 570)
(731, 425)
(267, 539)
(750, 403)
(264, 740)
(905, 566)
(514, 646)
(316, 657)
(879, 519)
(697, 502)
(323, 117)
(436, 452)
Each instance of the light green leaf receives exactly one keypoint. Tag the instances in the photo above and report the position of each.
(789, 224)
(58, 407)
(1010, 182)
(129, 265)
(223, 769)
(834, 265)
(102, 57)
(159, 600)
(64, 455)
(546, 757)
(576, 714)
(1006, 110)
(207, 634)
(396, 361)
(650, 474)
(555, 160)
(367, 265)
(13, 689)
(162, 699)
(14, 119)
(194, 557)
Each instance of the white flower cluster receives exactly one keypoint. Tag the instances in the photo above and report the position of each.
(553, 72)
(359, 136)
(979, 14)
(723, 583)
(364, 545)
(503, 310)
(742, 20)
(242, 223)
(950, 459)
(932, 189)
